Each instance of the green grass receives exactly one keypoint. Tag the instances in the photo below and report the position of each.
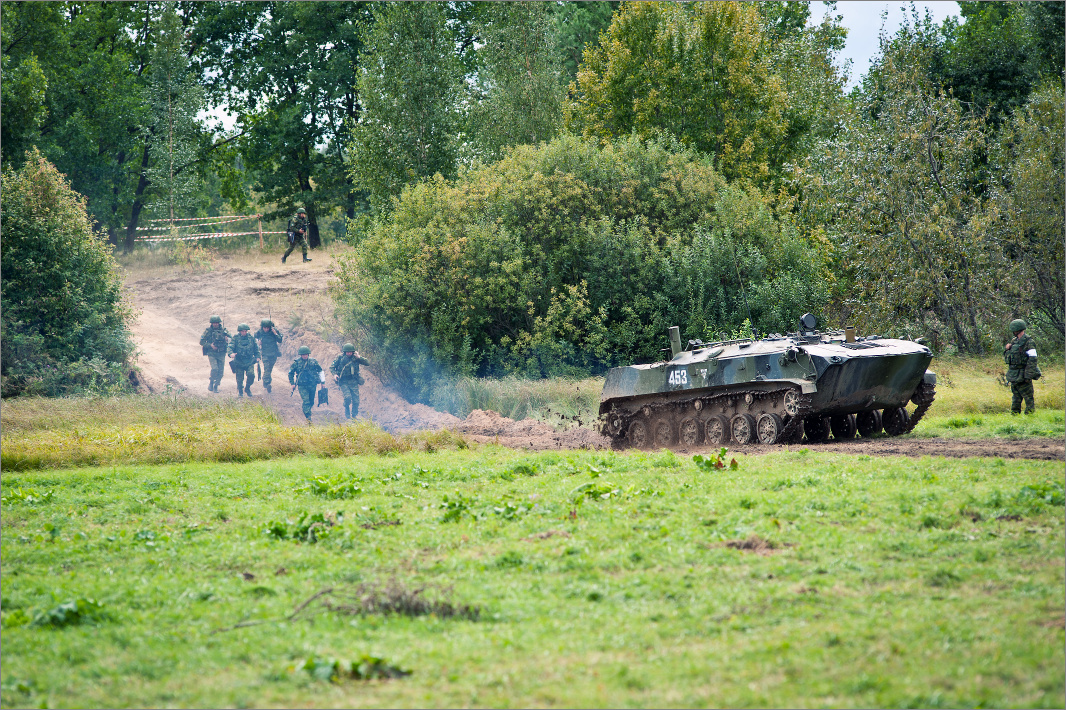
(138, 429)
(968, 386)
(1044, 422)
(602, 579)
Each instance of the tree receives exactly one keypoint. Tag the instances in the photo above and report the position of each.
(173, 137)
(578, 25)
(567, 257)
(288, 71)
(409, 83)
(1029, 197)
(700, 72)
(899, 189)
(65, 323)
(518, 99)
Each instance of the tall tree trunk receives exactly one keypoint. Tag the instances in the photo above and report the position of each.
(138, 202)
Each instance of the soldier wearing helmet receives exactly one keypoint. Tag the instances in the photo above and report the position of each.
(213, 342)
(244, 353)
(306, 374)
(345, 371)
(297, 232)
(1022, 369)
(269, 341)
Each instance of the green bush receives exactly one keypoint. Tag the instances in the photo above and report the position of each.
(64, 320)
(567, 258)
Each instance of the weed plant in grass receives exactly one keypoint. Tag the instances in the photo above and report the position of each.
(599, 579)
(43, 433)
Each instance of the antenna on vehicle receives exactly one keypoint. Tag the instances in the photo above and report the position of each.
(741, 280)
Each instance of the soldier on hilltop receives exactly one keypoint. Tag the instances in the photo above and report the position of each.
(345, 371)
(244, 353)
(297, 233)
(306, 374)
(269, 340)
(213, 342)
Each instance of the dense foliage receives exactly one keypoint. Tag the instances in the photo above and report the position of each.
(64, 320)
(567, 258)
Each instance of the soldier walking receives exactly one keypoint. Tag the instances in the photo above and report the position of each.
(269, 340)
(345, 371)
(244, 353)
(213, 342)
(1022, 369)
(306, 374)
(297, 234)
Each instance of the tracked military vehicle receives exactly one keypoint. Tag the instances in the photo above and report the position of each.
(778, 389)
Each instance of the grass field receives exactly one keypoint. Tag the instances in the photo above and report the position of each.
(596, 579)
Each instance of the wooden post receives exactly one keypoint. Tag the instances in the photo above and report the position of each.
(259, 219)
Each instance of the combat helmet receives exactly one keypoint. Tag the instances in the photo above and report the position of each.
(215, 319)
(1018, 325)
(266, 323)
(304, 350)
(243, 326)
(348, 348)
(300, 209)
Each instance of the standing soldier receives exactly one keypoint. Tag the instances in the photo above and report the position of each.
(213, 341)
(297, 233)
(1020, 356)
(306, 373)
(345, 371)
(244, 353)
(269, 340)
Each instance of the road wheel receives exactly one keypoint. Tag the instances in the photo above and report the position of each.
(638, 435)
(816, 428)
(869, 423)
(689, 432)
(662, 433)
(895, 421)
(843, 426)
(792, 402)
(769, 428)
(743, 428)
(717, 430)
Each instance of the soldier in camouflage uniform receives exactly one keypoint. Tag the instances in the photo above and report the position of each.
(269, 340)
(213, 342)
(306, 373)
(1020, 356)
(244, 352)
(297, 234)
(345, 371)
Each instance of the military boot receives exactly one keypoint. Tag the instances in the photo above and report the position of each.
(248, 390)
(347, 411)
(267, 387)
(283, 259)
(306, 260)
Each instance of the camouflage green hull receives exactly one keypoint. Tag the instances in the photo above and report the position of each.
(774, 390)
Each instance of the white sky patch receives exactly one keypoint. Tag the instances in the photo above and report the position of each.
(864, 22)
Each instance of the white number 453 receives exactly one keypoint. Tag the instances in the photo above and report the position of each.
(678, 377)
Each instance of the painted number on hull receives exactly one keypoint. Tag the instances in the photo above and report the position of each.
(678, 377)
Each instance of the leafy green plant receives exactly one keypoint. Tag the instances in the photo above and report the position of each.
(19, 495)
(70, 613)
(715, 461)
(337, 487)
(456, 507)
(334, 670)
(309, 527)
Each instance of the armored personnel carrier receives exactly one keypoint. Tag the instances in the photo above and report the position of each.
(776, 389)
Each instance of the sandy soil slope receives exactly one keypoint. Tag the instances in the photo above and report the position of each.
(175, 307)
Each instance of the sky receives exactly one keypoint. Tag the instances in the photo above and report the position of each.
(863, 20)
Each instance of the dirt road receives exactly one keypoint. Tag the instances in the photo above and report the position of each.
(175, 307)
